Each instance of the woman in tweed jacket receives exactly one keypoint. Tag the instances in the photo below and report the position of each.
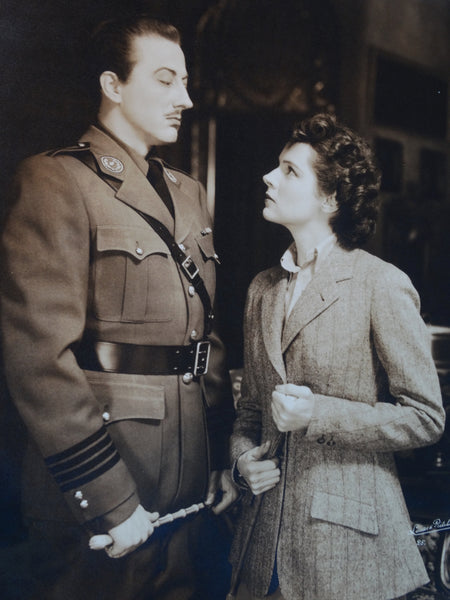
(338, 368)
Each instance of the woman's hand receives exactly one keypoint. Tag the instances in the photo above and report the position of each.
(292, 407)
(260, 475)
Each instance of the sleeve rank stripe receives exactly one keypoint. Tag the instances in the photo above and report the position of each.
(54, 458)
(80, 458)
(92, 475)
(87, 466)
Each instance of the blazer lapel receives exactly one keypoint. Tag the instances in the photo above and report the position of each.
(272, 314)
(320, 294)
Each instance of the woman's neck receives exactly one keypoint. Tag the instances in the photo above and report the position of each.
(307, 239)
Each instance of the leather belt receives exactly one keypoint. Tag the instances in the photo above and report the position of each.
(114, 357)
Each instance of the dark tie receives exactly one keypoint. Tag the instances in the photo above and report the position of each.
(156, 178)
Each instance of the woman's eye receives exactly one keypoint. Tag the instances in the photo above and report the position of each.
(165, 81)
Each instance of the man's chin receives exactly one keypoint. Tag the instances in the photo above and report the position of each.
(167, 136)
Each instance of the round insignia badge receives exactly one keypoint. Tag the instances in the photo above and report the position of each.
(112, 164)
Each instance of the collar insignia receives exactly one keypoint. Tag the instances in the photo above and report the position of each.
(112, 164)
(170, 175)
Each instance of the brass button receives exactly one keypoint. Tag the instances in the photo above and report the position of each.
(191, 290)
(84, 504)
(194, 334)
(182, 247)
(106, 416)
(187, 378)
(79, 495)
(139, 251)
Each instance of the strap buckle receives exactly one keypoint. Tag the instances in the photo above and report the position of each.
(201, 358)
(190, 268)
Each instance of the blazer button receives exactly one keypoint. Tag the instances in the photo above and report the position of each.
(191, 290)
(139, 251)
(84, 504)
(79, 495)
(187, 378)
(106, 416)
(194, 335)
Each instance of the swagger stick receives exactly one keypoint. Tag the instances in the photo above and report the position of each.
(102, 541)
(274, 446)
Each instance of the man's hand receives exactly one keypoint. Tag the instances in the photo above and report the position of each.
(260, 475)
(292, 407)
(127, 536)
(221, 481)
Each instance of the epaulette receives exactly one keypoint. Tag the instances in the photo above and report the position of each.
(79, 147)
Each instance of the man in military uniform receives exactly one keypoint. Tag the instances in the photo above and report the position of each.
(107, 331)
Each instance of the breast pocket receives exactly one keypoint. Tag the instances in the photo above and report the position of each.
(133, 275)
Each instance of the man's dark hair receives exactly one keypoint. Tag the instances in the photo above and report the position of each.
(344, 165)
(111, 44)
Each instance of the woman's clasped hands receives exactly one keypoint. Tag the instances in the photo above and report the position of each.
(292, 407)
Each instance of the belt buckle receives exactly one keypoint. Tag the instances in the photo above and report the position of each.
(190, 267)
(202, 358)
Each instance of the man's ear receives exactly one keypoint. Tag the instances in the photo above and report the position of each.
(329, 204)
(111, 86)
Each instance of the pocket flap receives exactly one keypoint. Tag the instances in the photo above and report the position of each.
(207, 247)
(122, 396)
(139, 242)
(344, 511)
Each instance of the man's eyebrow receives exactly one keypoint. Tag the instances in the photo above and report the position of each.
(172, 72)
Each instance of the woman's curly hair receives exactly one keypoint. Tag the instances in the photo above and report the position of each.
(345, 165)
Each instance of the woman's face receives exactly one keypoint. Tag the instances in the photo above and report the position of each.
(293, 198)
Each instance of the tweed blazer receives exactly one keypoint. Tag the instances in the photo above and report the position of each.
(78, 258)
(337, 520)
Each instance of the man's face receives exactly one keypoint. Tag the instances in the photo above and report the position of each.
(155, 94)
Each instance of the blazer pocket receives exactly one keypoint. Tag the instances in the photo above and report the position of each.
(128, 262)
(344, 511)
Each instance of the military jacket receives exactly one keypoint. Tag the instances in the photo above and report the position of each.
(77, 258)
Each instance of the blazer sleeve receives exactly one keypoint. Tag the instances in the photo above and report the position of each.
(409, 411)
(248, 425)
(44, 297)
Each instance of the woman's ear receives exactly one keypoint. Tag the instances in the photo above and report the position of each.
(329, 204)
(110, 85)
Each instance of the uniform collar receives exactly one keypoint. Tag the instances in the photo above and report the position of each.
(141, 161)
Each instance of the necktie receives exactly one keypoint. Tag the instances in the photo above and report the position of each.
(156, 178)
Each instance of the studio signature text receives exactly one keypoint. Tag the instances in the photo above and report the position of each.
(436, 525)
